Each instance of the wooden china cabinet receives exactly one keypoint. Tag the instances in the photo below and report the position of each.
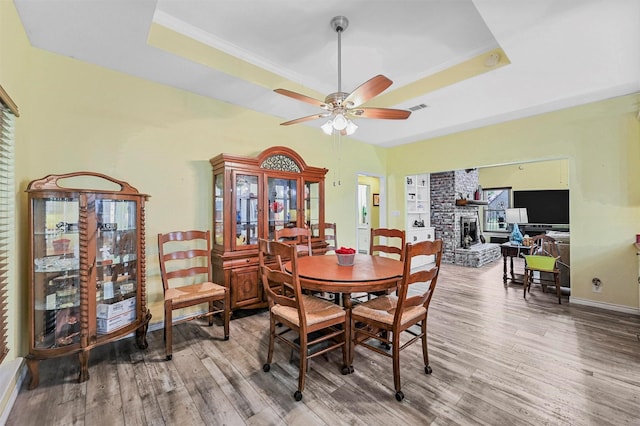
(86, 267)
(252, 197)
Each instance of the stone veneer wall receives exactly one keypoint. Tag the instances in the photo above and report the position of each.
(446, 187)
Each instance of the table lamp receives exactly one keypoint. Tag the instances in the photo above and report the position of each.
(516, 216)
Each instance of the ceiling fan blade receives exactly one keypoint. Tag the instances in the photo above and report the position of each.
(367, 90)
(301, 97)
(307, 118)
(385, 113)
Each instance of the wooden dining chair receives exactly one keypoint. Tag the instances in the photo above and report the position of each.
(391, 242)
(385, 318)
(300, 237)
(331, 236)
(185, 268)
(309, 325)
(544, 260)
(386, 242)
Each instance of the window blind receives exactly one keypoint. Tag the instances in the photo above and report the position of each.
(7, 209)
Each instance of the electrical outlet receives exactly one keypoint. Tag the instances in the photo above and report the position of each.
(596, 285)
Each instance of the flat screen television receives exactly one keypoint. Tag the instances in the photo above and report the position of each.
(544, 206)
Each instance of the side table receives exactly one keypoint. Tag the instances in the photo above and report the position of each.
(509, 250)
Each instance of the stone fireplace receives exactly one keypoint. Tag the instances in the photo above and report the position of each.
(458, 225)
(468, 231)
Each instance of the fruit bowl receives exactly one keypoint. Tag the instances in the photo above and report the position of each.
(346, 256)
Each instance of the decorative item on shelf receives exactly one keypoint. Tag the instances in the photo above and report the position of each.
(516, 216)
(61, 246)
(346, 256)
(276, 207)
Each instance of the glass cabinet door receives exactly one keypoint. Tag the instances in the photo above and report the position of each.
(218, 209)
(117, 264)
(312, 206)
(246, 210)
(282, 208)
(56, 290)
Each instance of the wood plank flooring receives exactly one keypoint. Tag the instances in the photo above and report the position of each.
(497, 359)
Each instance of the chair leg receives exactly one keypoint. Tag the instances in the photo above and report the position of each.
(211, 308)
(558, 291)
(272, 337)
(346, 347)
(226, 314)
(395, 344)
(168, 326)
(425, 350)
(525, 283)
(302, 373)
(352, 347)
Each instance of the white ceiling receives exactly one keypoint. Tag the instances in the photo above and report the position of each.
(561, 53)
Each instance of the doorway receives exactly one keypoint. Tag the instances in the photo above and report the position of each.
(368, 215)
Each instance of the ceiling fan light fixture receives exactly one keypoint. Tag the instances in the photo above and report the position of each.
(351, 128)
(340, 122)
(327, 127)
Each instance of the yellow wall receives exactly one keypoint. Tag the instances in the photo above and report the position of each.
(601, 142)
(76, 116)
(553, 174)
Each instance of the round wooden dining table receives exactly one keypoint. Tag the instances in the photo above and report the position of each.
(367, 274)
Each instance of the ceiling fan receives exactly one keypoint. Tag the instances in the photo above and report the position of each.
(340, 106)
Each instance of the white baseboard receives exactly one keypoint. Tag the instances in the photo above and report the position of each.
(605, 305)
(12, 374)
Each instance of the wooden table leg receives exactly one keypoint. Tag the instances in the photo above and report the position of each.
(346, 303)
(512, 276)
(504, 274)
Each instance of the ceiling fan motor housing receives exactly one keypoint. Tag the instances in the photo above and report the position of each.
(339, 23)
(336, 99)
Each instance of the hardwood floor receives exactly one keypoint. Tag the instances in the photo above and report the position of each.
(497, 359)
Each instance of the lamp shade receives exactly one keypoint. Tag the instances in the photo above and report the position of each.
(518, 215)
